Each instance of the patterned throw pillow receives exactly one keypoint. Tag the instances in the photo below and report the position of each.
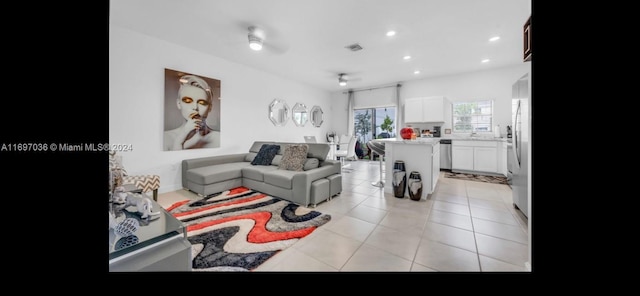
(294, 157)
(266, 154)
(115, 163)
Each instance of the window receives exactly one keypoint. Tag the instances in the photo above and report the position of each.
(471, 117)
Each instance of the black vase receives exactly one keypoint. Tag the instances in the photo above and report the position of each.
(415, 186)
(399, 179)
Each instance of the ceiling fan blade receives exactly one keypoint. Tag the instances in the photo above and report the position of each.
(275, 48)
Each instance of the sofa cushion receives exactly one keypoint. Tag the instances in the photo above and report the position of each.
(255, 147)
(250, 156)
(310, 164)
(318, 150)
(294, 157)
(276, 160)
(257, 172)
(280, 178)
(216, 173)
(266, 154)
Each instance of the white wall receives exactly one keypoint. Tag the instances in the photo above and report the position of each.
(490, 84)
(136, 103)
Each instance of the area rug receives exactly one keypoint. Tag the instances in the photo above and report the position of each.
(477, 178)
(239, 229)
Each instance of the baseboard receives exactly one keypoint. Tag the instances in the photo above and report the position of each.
(170, 188)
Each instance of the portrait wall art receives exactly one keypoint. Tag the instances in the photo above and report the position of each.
(191, 111)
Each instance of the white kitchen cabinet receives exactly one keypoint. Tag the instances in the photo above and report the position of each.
(422, 156)
(461, 158)
(480, 156)
(413, 110)
(433, 109)
(485, 159)
(427, 109)
(435, 166)
(502, 156)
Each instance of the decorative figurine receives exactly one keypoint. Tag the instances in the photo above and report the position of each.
(119, 195)
(143, 204)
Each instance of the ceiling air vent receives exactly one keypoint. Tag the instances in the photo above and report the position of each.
(354, 47)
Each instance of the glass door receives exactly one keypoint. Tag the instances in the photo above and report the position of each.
(373, 123)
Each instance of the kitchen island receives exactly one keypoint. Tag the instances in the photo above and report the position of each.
(421, 155)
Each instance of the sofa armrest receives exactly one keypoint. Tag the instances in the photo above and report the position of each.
(337, 166)
(193, 163)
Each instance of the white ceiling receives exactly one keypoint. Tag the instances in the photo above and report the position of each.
(306, 39)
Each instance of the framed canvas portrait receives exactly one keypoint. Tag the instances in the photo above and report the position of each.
(191, 111)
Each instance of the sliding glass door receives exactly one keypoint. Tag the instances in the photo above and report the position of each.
(373, 123)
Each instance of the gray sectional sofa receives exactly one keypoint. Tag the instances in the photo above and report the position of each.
(320, 180)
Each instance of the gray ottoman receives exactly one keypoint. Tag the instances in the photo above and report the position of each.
(335, 184)
(319, 191)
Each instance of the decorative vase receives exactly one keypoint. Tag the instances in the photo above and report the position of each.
(406, 133)
(399, 179)
(415, 186)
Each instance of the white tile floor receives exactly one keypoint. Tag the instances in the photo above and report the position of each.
(463, 226)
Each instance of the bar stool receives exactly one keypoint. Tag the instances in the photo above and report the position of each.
(377, 148)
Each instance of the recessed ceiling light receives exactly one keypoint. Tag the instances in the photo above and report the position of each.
(485, 60)
(391, 33)
(494, 38)
(406, 57)
(416, 72)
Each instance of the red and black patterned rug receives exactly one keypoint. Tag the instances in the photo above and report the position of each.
(239, 229)
(477, 178)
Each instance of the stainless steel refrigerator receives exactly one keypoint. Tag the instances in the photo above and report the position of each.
(521, 139)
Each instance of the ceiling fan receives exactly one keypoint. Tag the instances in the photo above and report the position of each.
(343, 78)
(258, 41)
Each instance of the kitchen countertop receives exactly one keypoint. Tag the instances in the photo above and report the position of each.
(477, 139)
(418, 141)
(432, 140)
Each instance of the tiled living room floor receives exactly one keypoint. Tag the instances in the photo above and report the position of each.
(463, 226)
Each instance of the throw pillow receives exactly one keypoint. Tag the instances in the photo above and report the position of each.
(294, 157)
(115, 163)
(266, 154)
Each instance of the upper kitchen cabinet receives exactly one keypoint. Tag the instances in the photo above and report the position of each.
(527, 40)
(413, 110)
(429, 109)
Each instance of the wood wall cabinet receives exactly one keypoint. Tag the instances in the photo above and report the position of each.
(527, 40)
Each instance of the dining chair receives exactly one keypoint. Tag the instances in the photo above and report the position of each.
(348, 152)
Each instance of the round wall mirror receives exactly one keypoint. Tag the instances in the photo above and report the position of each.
(316, 116)
(279, 112)
(299, 114)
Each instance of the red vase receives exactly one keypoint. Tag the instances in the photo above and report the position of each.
(406, 133)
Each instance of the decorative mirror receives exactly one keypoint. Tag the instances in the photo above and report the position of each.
(279, 112)
(317, 116)
(299, 114)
